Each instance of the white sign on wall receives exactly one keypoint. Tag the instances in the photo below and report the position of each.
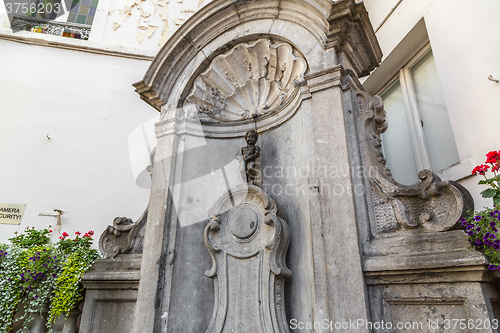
(11, 213)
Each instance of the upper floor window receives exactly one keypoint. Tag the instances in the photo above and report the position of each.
(67, 18)
(419, 135)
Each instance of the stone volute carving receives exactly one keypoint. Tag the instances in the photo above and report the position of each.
(250, 80)
(432, 204)
(124, 236)
(247, 242)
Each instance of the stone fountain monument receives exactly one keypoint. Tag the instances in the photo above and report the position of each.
(305, 230)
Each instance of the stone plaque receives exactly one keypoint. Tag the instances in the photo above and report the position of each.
(248, 242)
(11, 213)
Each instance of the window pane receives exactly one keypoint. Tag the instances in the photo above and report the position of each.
(83, 11)
(435, 121)
(396, 140)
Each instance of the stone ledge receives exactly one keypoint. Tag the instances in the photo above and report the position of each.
(324, 79)
(419, 249)
(122, 272)
(31, 38)
(120, 262)
(103, 277)
(417, 242)
(473, 273)
(426, 261)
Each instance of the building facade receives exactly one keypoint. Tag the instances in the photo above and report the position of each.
(77, 138)
(73, 176)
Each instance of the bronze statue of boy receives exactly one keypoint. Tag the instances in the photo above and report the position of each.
(247, 156)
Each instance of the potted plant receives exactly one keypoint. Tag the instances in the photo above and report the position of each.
(482, 227)
(35, 272)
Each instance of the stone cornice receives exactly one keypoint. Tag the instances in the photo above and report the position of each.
(336, 76)
(324, 79)
(351, 33)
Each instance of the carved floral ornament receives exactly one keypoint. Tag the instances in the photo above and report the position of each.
(250, 80)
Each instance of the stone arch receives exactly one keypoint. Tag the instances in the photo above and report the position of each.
(303, 24)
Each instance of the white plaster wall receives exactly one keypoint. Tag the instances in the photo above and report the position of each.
(86, 104)
(379, 11)
(466, 45)
(125, 21)
(133, 26)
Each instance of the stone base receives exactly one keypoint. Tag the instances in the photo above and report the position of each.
(111, 293)
(430, 282)
(434, 307)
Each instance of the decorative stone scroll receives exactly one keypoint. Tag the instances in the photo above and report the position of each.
(250, 80)
(124, 236)
(248, 243)
(433, 204)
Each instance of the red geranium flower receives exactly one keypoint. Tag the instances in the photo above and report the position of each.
(480, 169)
(493, 157)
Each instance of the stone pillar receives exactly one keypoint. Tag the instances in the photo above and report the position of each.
(342, 295)
(155, 251)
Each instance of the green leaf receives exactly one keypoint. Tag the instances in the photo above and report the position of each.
(482, 182)
(489, 193)
(496, 199)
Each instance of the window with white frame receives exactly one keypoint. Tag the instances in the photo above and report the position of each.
(419, 135)
(78, 11)
(67, 18)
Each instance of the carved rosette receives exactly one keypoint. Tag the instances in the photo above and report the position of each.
(124, 236)
(247, 242)
(250, 80)
(432, 204)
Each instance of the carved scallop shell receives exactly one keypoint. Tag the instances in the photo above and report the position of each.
(250, 80)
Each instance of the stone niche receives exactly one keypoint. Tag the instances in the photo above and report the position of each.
(354, 245)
